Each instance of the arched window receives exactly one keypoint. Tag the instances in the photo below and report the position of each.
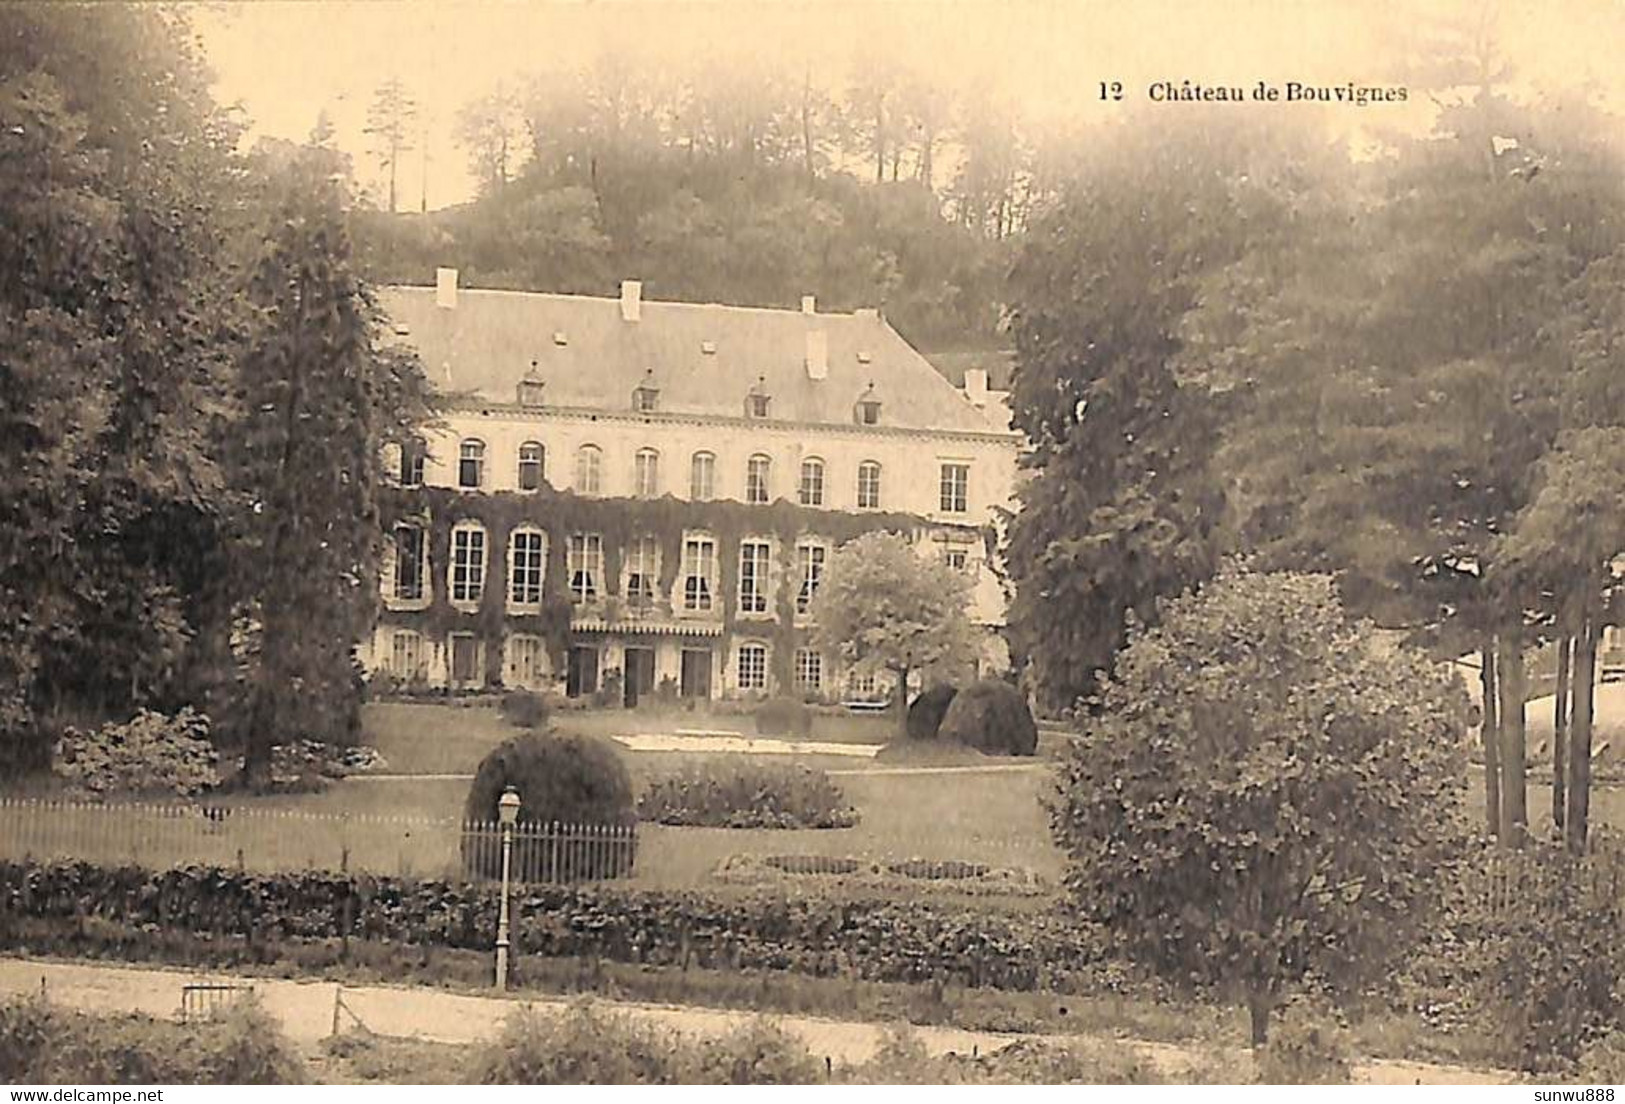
(471, 463)
(467, 567)
(758, 471)
(589, 469)
(811, 491)
(702, 477)
(646, 473)
(869, 485)
(531, 462)
(412, 455)
(752, 673)
(527, 563)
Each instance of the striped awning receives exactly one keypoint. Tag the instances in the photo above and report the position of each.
(639, 627)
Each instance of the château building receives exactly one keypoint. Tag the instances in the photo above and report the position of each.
(635, 497)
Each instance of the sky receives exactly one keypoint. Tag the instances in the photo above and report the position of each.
(285, 62)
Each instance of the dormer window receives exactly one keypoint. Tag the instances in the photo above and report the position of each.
(646, 396)
(867, 409)
(530, 388)
(757, 399)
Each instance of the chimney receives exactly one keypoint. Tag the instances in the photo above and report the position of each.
(809, 304)
(976, 386)
(817, 354)
(631, 300)
(445, 288)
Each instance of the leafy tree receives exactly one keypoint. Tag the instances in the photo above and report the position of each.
(490, 129)
(1124, 504)
(883, 606)
(115, 332)
(1265, 794)
(321, 395)
(390, 120)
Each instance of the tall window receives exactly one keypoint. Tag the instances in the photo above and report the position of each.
(757, 471)
(955, 488)
(409, 565)
(809, 671)
(589, 469)
(642, 571)
(412, 454)
(868, 485)
(753, 667)
(467, 563)
(699, 564)
(646, 473)
(810, 568)
(471, 463)
(812, 482)
(406, 654)
(585, 556)
(702, 477)
(527, 558)
(527, 663)
(756, 405)
(530, 466)
(753, 557)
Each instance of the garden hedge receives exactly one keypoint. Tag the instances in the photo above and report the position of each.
(874, 940)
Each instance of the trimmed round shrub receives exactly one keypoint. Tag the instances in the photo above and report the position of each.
(783, 717)
(524, 709)
(993, 717)
(573, 781)
(925, 712)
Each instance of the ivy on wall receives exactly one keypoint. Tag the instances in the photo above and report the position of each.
(619, 521)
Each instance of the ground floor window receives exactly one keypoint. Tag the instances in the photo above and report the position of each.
(861, 687)
(809, 671)
(752, 667)
(406, 654)
(527, 661)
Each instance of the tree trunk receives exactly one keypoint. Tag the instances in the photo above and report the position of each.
(1560, 734)
(1489, 734)
(1584, 678)
(1259, 1007)
(902, 702)
(1514, 795)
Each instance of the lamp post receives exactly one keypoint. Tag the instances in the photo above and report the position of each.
(508, 813)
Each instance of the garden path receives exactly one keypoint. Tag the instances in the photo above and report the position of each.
(306, 1010)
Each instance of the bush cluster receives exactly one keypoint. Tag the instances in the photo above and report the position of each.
(40, 1044)
(993, 717)
(925, 712)
(1306, 1046)
(590, 1045)
(575, 780)
(870, 939)
(151, 754)
(737, 793)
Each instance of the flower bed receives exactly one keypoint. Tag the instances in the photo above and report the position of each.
(735, 793)
(882, 876)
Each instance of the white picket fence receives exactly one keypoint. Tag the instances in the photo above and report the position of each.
(277, 840)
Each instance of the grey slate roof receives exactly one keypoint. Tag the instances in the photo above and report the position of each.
(486, 343)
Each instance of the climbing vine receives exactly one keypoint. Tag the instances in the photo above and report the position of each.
(619, 521)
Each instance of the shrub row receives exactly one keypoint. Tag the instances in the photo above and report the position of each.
(871, 939)
(43, 1044)
(735, 794)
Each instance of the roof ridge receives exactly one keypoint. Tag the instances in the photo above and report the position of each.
(611, 300)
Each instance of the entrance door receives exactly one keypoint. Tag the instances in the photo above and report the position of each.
(464, 659)
(696, 673)
(581, 677)
(640, 675)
